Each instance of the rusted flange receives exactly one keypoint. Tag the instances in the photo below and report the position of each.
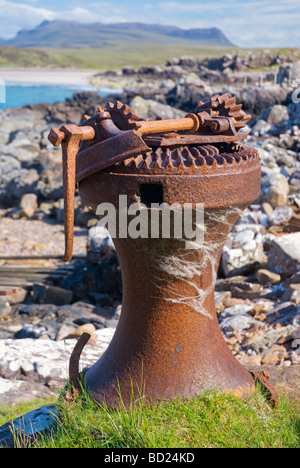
(263, 378)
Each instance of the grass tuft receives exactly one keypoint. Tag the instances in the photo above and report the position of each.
(213, 420)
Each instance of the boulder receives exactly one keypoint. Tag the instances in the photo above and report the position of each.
(270, 338)
(238, 323)
(260, 128)
(28, 205)
(281, 215)
(40, 360)
(49, 294)
(150, 109)
(275, 189)
(238, 309)
(275, 114)
(284, 254)
(264, 276)
(256, 99)
(294, 182)
(20, 432)
(242, 252)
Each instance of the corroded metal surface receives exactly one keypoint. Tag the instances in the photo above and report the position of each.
(168, 340)
(74, 373)
(263, 378)
(114, 136)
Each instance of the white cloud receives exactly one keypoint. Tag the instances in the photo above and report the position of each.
(255, 23)
(16, 16)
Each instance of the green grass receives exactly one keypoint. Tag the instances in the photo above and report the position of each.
(21, 58)
(115, 55)
(211, 421)
(10, 412)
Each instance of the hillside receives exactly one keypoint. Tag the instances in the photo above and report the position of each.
(68, 34)
(17, 57)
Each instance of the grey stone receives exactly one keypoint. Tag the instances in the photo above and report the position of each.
(31, 331)
(238, 323)
(275, 114)
(246, 252)
(20, 432)
(275, 190)
(270, 338)
(296, 334)
(42, 360)
(9, 168)
(246, 290)
(294, 182)
(264, 276)
(48, 294)
(5, 308)
(284, 254)
(260, 128)
(100, 243)
(28, 205)
(284, 313)
(148, 108)
(242, 238)
(292, 294)
(239, 309)
(281, 215)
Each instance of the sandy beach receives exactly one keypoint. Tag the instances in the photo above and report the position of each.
(73, 77)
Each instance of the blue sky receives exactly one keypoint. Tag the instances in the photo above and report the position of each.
(247, 23)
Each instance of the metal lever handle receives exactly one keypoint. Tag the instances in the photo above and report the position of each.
(69, 136)
(189, 123)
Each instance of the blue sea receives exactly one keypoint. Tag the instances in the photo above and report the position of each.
(16, 95)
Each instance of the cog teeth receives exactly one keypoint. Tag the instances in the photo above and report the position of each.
(236, 108)
(237, 116)
(129, 162)
(215, 101)
(223, 98)
(189, 160)
(148, 161)
(177, 158)
(239, 125)
(230, 102)
(123, 116)
(230, 159)
(199, 159)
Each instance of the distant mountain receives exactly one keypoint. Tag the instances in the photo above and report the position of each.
(70, 34)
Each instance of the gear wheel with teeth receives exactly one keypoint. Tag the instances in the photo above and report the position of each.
(123, 116)
(226, 107)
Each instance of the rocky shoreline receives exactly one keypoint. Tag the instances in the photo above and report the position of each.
(258, 288)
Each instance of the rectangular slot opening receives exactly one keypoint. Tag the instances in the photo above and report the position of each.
(151, 193)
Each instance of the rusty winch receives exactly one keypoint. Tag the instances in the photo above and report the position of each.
(168, 341)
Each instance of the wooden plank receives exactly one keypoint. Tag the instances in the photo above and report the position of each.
(18, 283)
(9, 291)
(40, 257)
(35, 268)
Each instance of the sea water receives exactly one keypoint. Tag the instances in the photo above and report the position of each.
(19, 95)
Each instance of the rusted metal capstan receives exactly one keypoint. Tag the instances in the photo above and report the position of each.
(168, 341)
